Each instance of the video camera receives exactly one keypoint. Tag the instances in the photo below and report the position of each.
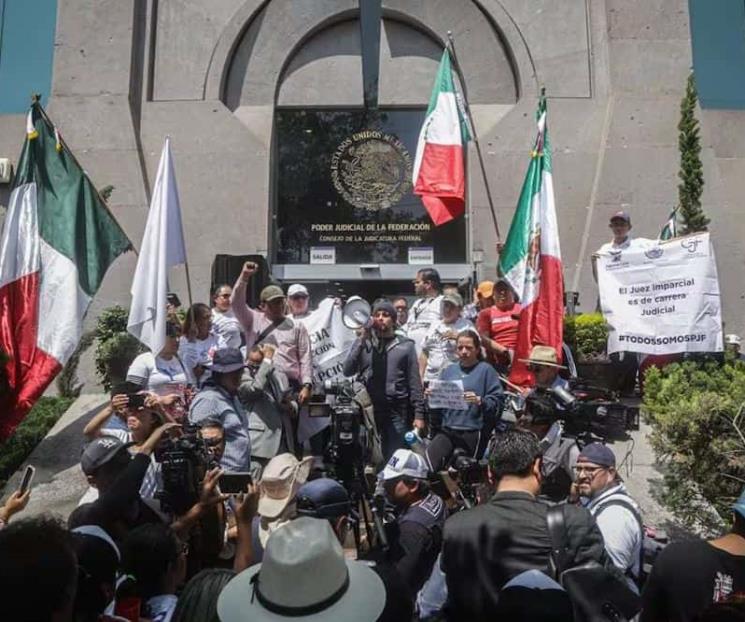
(353, 444)
(184, 462)
(586, 415)
(347, 450)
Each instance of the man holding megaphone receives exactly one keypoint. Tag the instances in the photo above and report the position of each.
(387, 364)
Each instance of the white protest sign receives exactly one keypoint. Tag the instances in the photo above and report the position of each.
(330, 342)
(663, 298)
(447, 394)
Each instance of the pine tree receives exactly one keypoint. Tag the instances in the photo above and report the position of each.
(691, 173)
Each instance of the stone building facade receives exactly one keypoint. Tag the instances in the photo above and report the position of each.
(214, 76)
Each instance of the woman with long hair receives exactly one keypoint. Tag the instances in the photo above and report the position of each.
(466, 428)
(197, 344)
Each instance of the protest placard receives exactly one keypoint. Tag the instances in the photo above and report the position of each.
(447, 394)
(662, 299)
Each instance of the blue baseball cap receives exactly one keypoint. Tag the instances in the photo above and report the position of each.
(323, 498)
(597, 453)
(739, 505)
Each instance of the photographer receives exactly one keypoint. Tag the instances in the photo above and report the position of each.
(420, 518)
(218, 401)
(142, 415)
(482, 391)
(117, 475)
(388, 365)
(543, 414)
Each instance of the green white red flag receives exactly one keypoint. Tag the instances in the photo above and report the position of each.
(439, 166)
(58, 240)
(531, 258)
(670, 228)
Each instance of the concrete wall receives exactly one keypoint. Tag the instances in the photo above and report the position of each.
(129, 72)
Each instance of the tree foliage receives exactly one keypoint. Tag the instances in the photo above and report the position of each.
(116, 348)
(29, 433)
(67, 381)
(691, 170)
(587, 336)
(697, 413)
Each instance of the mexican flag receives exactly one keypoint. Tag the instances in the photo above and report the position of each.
(531, 258)
(439, 170)
(670, 228)
(58, 240)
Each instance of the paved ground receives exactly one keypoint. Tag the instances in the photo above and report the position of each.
(59, 482)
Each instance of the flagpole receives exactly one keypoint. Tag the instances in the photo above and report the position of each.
(186, 258)
(467, 108)
(36, 99)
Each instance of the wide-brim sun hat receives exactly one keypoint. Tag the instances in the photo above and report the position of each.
(303, 576)
(280, 481)
(543, 355)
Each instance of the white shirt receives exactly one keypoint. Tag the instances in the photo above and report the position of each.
(197, 352)
(609, 248)
(441, 350)
(226, 328)
(620, 529)
(422, 315)
(157, 375)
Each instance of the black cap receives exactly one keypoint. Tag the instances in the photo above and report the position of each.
(100, 451)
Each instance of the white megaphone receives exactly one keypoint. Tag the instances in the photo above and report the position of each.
(356, 313)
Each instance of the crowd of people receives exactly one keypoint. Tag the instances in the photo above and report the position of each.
(291, 542)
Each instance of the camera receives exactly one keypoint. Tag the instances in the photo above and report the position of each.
(184, 462)
(347, 450)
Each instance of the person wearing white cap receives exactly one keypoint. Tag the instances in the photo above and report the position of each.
(303, 577)
(298, 300)
(420, 518)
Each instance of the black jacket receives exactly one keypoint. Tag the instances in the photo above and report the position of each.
(402, 381)
(490, 544)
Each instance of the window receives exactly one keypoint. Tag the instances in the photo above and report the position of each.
(344, 191)
(26, 52)
(718, 40)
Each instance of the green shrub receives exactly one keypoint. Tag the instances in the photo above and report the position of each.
(116, 348)
(587, 335)
(696, 411)
(29, 434)
(67, 381)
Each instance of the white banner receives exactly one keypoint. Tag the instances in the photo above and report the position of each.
(330, 341)
(662, 299)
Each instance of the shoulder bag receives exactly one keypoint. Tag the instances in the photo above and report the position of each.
(597, 593)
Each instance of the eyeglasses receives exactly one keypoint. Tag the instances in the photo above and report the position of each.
(591, 471)
(223, 296)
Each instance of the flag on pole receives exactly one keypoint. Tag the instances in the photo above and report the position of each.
(162, 247)
(670, 228)
(439, 169)
(531, 258)
(58, 240)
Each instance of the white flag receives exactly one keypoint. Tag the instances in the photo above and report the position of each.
(162, 247)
